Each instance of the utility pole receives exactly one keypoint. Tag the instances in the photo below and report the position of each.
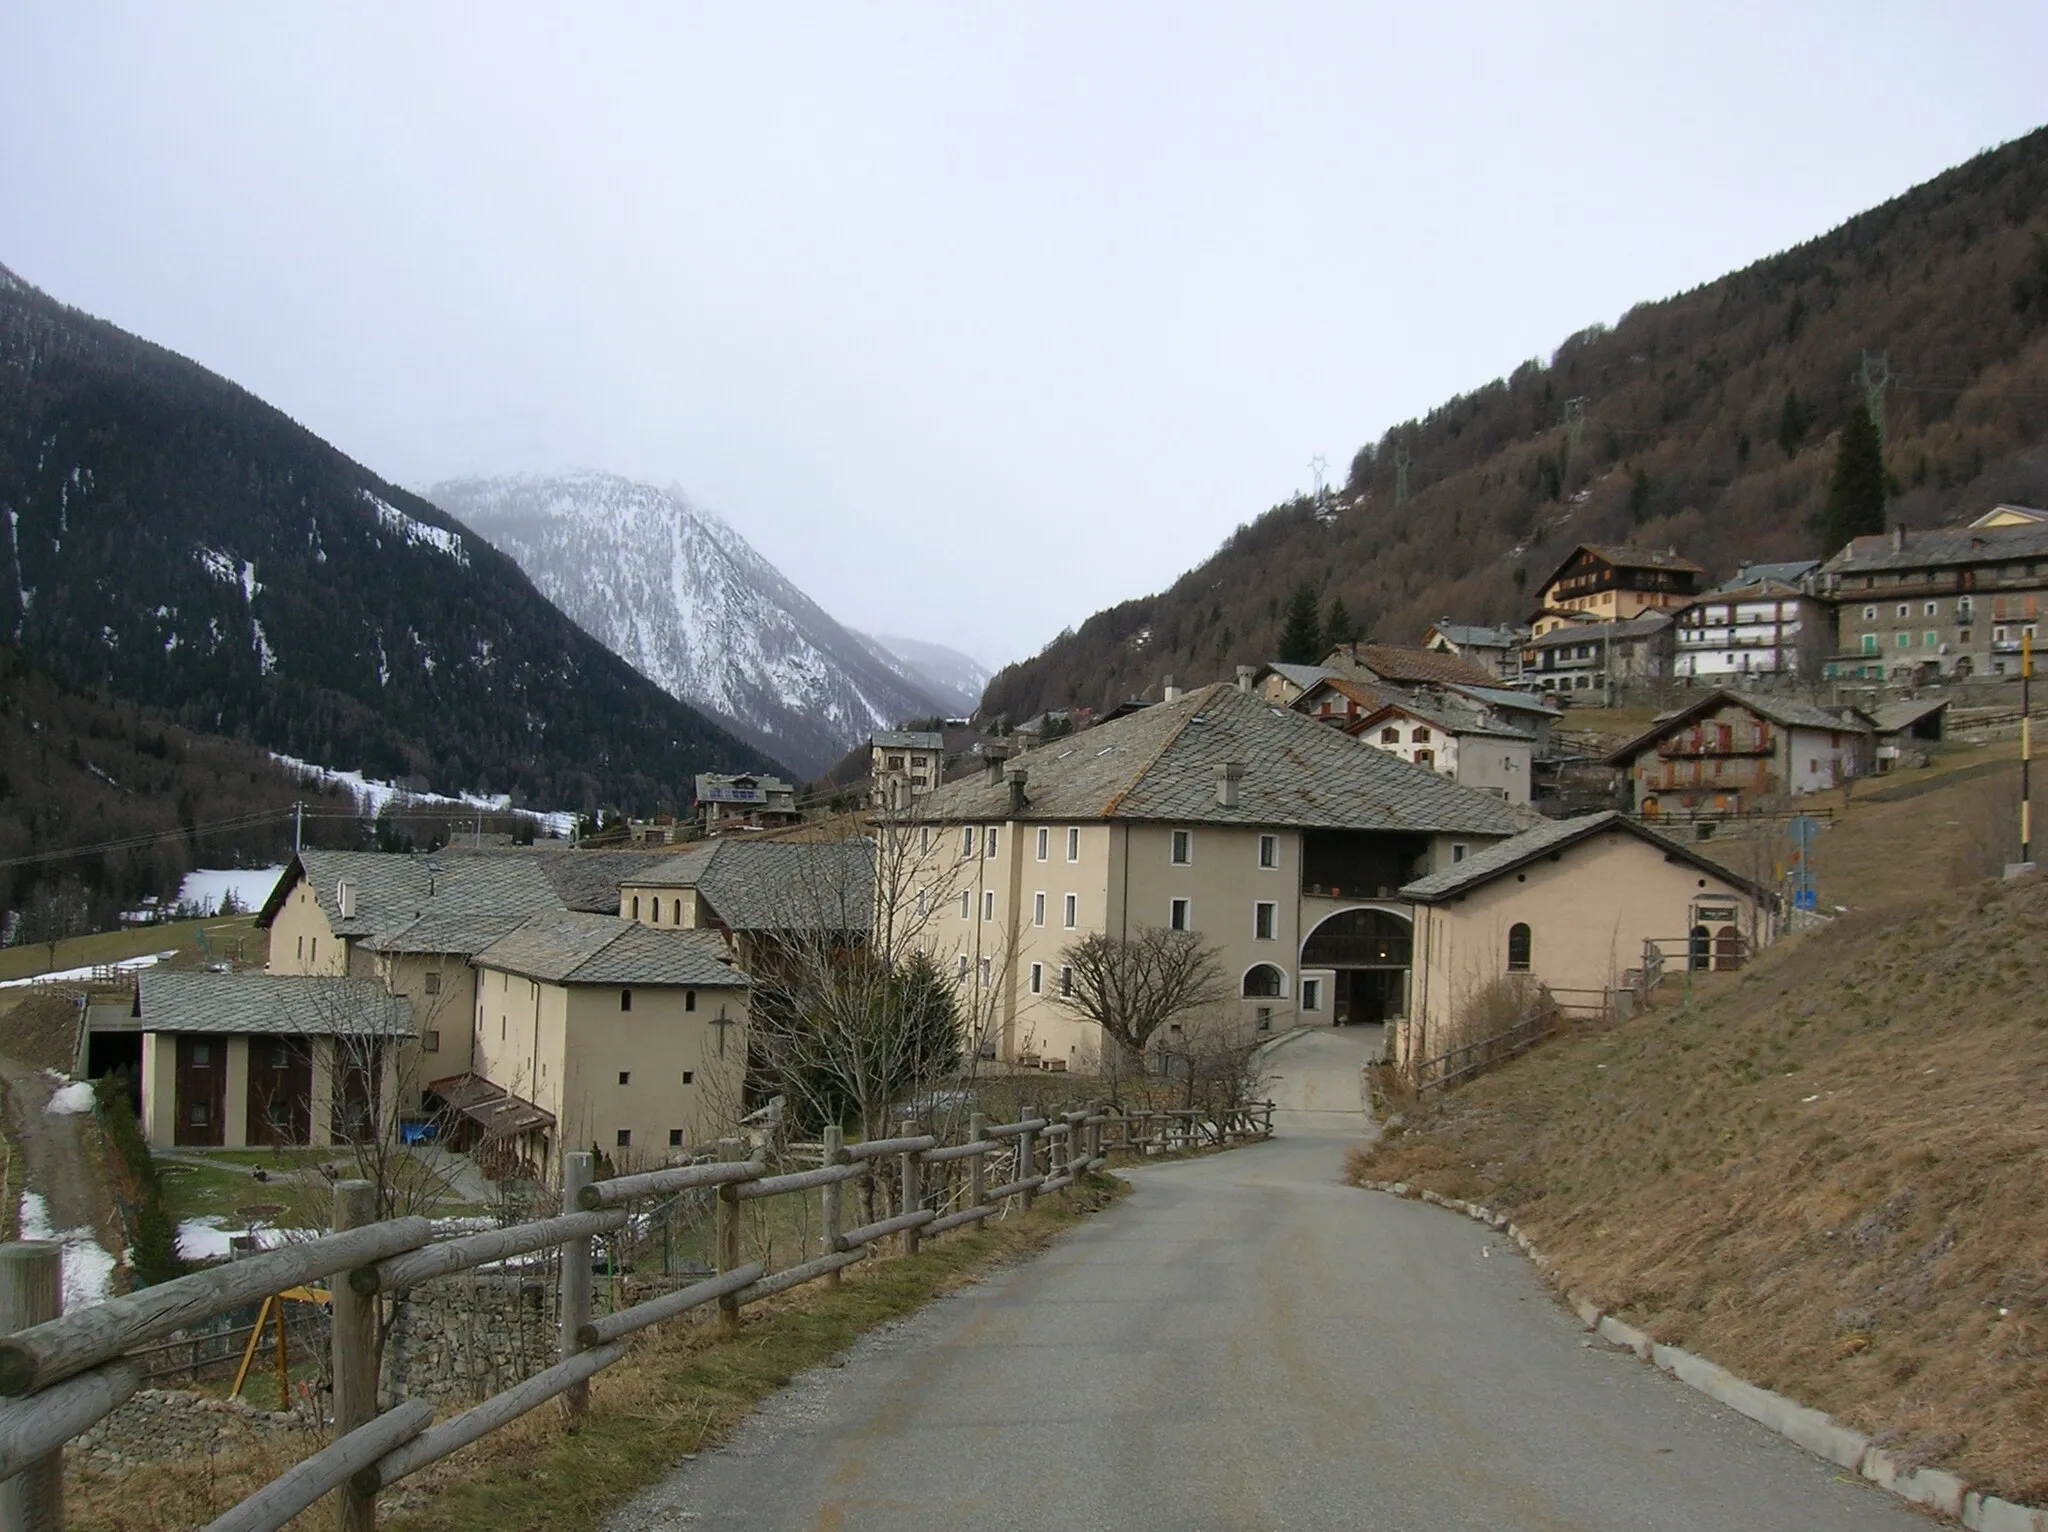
(1874, 377)
(2026, 745)
(298, 826)
(1319, 465)
(1401, 462)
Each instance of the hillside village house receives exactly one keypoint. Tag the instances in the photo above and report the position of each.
(914, 758)
(1569, 905)
(1730, 752)
(1952, 602)
(1497, 651)
(254, 1060)
(1763, 627)
(1275, 838)
(1459, 742)
(1572, 657)
(2011, 516)
(1598, 583)
(743, 802)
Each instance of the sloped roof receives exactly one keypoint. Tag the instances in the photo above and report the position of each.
(1939, 548)
(465, 934)
(2025, 512)
(1786, 712)
(1452, 719)
(1473, 636)
(908, 739)
(776, 885)
(1344, 686)
(590, 880)
(1510, 701)
(1504, 857)
(1303, 676)
(576, 948)
(1891, 717)
(269, 1004)
(392, 890)
(1788, 573)
(1159, 765)
(1623, 558)
(1396, 662)
(1603, 632)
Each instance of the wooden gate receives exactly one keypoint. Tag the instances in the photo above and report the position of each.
(201, 1091)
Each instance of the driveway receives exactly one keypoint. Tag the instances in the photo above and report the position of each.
(1246, 1342)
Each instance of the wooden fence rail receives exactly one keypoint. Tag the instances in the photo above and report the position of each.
(62, 1373)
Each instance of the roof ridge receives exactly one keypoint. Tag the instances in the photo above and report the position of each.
(1172, 737)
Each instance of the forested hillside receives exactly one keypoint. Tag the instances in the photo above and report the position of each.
(173, 541)
(1704, 422)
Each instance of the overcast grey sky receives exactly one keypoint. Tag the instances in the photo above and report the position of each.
(973, 318)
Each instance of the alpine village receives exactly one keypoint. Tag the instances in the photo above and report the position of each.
(496, 982)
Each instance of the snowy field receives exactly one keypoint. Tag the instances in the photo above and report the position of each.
(88, 1268)
(371, 795)
(203, 888)
(148, 961)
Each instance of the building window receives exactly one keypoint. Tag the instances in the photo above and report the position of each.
(988, 904)
(966, 905)
(625, 1000)
(1038, 978)
(1905, 609)
(1930, 639)
(625, 1138)
(1183, 847)
(675, 1138)
(1265, 920)
(963, 967)
(689, 1077)
(1418, 737)
(967, 840)
(679, 911)
(1458, 850)
(1390, 736)
(1265, 1018)
(434, 983)
(1180, 916)
(314, 954)
(1072, 911)
(1262, 981)
(1425, 758)
(1073, 843)
(1870, 643)
(689, 1000)
(625, 1077)
(1269, 851)
(1932, 609)
(1044, 840)
(1066, 980)
(1518, 948)
(430, 1040)
(1311, 994)
(923, 901)
(1962, 635)
(924, 841)
(989, 843)
(984, 973)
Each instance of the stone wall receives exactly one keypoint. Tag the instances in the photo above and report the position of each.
(461, 1339)
(158, 1424)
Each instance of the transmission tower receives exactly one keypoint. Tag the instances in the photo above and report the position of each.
(1874, 377)
(1574, 427)
(1319, 465)
(1401, 462)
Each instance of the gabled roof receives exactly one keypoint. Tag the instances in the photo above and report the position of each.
(1358, 692)
(1624, 558)
(1786, 712)
(1892, 717)
(1160, 765)
(269, 1004)
(1747, 590)
(574, 948)
(1452, 720)
(1504, 857)
(392, 891)
(1303, 676)
(776, 885)
(1510, 701)
(1396, 662)
(1790, 572)
(1940, 548)
(1643, 626)
(2009, 515)
(1470, 636)
(590, 880)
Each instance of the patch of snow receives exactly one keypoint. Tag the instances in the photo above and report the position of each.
(371, 795)
(266, 657)
(68, 975)
(250, 584)
(440, 539)
(88, 1268)
(74, 1100)
(217, 564)
(203, 889)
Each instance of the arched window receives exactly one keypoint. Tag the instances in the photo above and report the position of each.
(636, 906)
(1518, 948)
(1261, 982)
(679, 912)
(625, 1000)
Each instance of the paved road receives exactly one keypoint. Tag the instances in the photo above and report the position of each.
(1248, 1343)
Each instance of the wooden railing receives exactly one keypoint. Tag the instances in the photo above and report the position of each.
(1461, 1063)
(62, 1373)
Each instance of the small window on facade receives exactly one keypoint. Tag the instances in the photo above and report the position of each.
(302, 949)
(1073, 911)
(1262, 981)
(967, 840)
(1425, 757)
(1066, 980)
(625, 1077)
(689, 1077)
(625, 1000)
(1265, 920)
(625, 1140)
(430, 1040)
(636, 906)
(689, 1000)
(984, 973)
(1930, 638)
(433, 984)
(675, 1137)
(1419, 737)
(1932, 608)
(679, 912)
(1073, 843)
(1870, 614)
(1269, 851)
(1044, 842)
(1390, 736)
(202, 1055)
(1038, 909)
(1265, 1018)
(1905, 609)
(966, 905)
(314, 953)
(1183, 847)
(963, 966)
(1458, 850)
(1311, 994)
(1038, 978)
(989, 842)
(924, 840)
(1180, 916)
(988, 904)
(1518, 948)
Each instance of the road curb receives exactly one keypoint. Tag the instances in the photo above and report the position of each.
(1931, 1489)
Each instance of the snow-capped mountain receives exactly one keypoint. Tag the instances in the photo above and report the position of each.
(683, 599)
(956, 679)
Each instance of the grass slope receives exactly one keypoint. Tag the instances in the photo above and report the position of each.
(1826, 1176)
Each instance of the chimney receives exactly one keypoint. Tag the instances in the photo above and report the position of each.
(1169, 692)
(993, 758)
(345, 898)
(1244, 678)
(1016, 776)
(1228, 775)
(1899, 539)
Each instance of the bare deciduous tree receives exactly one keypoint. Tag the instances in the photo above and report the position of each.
(1132, 986)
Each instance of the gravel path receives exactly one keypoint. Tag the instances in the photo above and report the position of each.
(1247, 1343)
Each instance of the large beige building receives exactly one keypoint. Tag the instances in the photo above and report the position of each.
(1278, 840)
(1568, 904)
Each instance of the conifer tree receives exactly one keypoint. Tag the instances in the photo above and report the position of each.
(1856, 496)
(1337, 625)
(1301, 634)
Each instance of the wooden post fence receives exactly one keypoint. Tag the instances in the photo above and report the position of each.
(31, 1293)
(578, 1170)
(354, 1320)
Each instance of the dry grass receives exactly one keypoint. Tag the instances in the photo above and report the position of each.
(1826, 1176)
(680, 1390)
